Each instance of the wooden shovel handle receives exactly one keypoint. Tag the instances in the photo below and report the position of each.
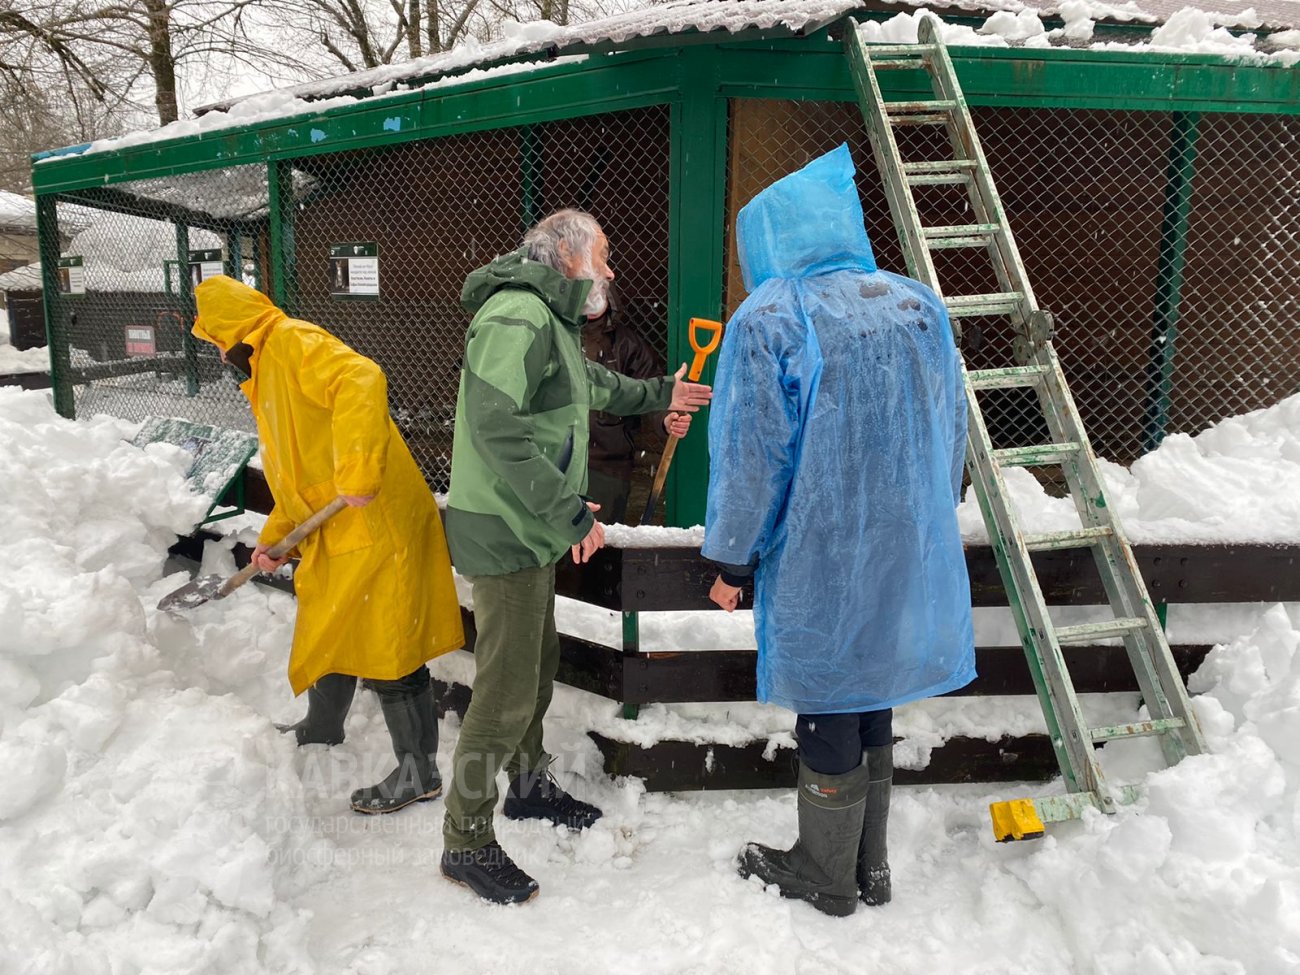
(285, 545)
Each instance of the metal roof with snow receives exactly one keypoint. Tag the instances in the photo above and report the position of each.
(683, 20)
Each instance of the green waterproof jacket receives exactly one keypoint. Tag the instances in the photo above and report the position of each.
(519, 461)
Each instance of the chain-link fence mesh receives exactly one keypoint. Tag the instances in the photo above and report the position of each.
(1163, 243)
(127, 313)
(429, 212)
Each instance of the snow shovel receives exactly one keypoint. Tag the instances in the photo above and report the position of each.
(200, 591)
(702, 353)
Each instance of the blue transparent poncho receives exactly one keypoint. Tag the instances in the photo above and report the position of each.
(836, 440)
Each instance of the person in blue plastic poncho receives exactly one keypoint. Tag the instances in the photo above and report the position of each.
(836, 441)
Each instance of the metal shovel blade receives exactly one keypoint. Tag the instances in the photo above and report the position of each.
(192, 594)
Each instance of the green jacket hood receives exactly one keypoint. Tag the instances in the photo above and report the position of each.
(565, 297)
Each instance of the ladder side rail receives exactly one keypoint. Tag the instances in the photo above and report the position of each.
(1067, 727)
(888, 160)
(1124, 599)
(1158, 677)
(985, 200)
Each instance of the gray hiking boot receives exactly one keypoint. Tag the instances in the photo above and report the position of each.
(821, 868)
(413, 726)
(873, 853)
(328, 702)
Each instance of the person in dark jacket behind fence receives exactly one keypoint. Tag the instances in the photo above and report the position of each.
(518, 473)
(614, 342)
(836, 442)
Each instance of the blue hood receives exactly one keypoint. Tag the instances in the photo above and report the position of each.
(808, 223)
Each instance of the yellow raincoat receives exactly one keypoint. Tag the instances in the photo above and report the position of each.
(375, 591)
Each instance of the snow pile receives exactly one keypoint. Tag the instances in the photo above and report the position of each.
(152, 819)
(1195, 30)
(137, 822)
(1235, 481)
(14, 361)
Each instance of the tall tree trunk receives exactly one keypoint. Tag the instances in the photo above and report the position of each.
(435, 27)
(414, 37)
(162, 61)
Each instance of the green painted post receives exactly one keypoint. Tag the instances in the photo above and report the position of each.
(697, 209)
(279, 185)
(532, 176)
(631, 646)
(56, 330)
(1180, 176)
(186, 293)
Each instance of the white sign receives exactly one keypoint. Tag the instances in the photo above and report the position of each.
(354, 270)
(72, 276)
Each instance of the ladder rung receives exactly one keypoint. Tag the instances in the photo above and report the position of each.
(923, 105)
(1011, 377)
(903, 121)
(938, 166)
(1036, 456)
(1088, 632)
(893, 50)
(994, 304)
(956, 243)
(960, 230)
(1138, 729)
(916, 64)
(937, 179)
(1055, 541)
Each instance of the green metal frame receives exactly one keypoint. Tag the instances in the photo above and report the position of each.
(695, 77)
(1180, 178)
(56, 332)
(280, 212)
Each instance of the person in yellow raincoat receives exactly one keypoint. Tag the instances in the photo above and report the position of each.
(376, 598)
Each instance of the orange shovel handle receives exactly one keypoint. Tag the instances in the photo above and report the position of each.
(702, 352)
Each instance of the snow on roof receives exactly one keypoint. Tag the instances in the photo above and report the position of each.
(18, 213)
(543, 37)
(1192, 30)
(122, 253)
(734, 16)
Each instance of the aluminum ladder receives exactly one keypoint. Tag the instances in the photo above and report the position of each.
(1034, 366)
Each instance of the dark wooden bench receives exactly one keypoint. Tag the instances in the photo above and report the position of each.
(636, 580)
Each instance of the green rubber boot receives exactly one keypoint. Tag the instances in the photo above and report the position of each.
(413, 726)
(328, 702)
(821, 868)
(873, 852)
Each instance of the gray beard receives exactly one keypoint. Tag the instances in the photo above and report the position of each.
(598, 296)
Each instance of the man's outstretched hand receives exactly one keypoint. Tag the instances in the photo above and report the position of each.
(688, 397)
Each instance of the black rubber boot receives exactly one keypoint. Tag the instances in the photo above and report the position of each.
(873, 853)
(821, 868)
(536, 795)
(413, 726)
(328, 702)
(490, 873)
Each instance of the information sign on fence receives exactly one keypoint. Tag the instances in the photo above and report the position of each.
(354, 270)
(72, 276)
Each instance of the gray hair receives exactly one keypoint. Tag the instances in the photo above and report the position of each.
(574, 228)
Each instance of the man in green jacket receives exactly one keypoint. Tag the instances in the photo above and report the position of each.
(516, 507)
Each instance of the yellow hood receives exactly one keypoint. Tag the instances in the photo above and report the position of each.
(231, 312)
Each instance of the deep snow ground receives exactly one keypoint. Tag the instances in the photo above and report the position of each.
(152, 820)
